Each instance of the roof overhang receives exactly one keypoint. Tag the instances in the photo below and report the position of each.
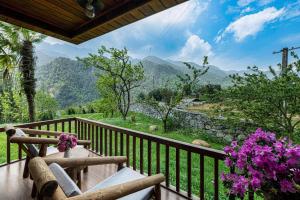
(66, 20)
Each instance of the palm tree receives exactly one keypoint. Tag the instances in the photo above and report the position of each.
(27, 65)
(17, 49)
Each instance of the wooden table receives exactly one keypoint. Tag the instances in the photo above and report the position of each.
(74, 172)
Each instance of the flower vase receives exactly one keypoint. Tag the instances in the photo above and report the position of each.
(67, 153)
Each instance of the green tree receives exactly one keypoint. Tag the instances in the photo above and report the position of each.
(273, 103)
(46, 106)
(119, 75)
(189, 80)
(163, 101)
(17, 50)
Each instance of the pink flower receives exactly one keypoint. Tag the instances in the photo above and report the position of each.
(287, 186)
(263, 163)
(255, 183)
(66, 142)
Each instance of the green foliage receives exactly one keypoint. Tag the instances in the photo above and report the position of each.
(17, 50)
(46, 106)
(210, 93)
(118, 78)
(163, 101)
(189, 81)
(12, 107)
(68, 81)
(272, 103)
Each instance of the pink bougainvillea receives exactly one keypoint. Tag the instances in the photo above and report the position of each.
(66, 142)
(262, 164)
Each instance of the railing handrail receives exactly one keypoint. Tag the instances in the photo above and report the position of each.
(162, 140)
(40, 123)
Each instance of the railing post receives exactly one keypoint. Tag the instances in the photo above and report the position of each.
(8, 148)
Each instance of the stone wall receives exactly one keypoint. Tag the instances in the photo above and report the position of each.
(195, 120)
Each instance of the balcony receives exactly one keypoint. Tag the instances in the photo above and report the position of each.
(191, 172)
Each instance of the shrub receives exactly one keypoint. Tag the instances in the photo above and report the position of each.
(264, 165)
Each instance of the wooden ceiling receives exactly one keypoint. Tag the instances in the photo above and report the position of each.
(66, 20)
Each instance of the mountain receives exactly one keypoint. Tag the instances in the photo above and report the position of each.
(73, 84)
(68, 81)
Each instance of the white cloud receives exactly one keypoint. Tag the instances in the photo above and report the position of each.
(250, 25)
(243, 3)
(246, 10)
(194, 49)
(52, 40)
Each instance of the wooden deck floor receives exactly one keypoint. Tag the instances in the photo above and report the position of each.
(14, 187)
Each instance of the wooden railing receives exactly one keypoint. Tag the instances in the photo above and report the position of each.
(146, 153)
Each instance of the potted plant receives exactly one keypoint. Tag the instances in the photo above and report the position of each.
(265, 165)
(66, 142)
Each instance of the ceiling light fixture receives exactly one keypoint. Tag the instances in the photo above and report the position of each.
(91, 7)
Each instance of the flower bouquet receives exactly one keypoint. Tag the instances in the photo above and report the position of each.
(264, 165)
(66, 142)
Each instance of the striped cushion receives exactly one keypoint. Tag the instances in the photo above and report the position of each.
(31, 147)
(64, 181)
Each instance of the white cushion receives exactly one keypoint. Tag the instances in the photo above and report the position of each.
(123, 176)
(64, 181)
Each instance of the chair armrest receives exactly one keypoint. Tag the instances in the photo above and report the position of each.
(75, 162)
(34, 140)
(121, 190)
(43, 132)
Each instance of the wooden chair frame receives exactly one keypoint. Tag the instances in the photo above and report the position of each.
(43, 142)
(42, 177)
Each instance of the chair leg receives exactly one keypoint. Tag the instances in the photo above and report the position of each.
(34, 191)
(157, 192)
(26, 169)
(86, 169)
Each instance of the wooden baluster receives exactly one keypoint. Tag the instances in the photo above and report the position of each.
(82, 130)
(149, 158)
(134, 153)
(157, 158)
(110, 143)
(177, 170)
(105, 142)
(121, 144)
(216, 179)
(97, 139)
(141, 156)
(127, 150)
(201, 177)
(7, 148)
(167, 166)
(75, 124)
(19, 151)
(39, 128)
(62, 126)
(48, 128)
(101, 141)
(85, 131)
(78, 129)
(116, 143)
(189, 174)
(93, 137)
(89, 134)
(70, 126)
(55, 128)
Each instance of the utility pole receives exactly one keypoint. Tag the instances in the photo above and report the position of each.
(285, 56)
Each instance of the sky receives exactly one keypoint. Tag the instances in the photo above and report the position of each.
(234, 34)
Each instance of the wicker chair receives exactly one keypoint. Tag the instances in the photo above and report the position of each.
(29, 144)
(52, 182)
